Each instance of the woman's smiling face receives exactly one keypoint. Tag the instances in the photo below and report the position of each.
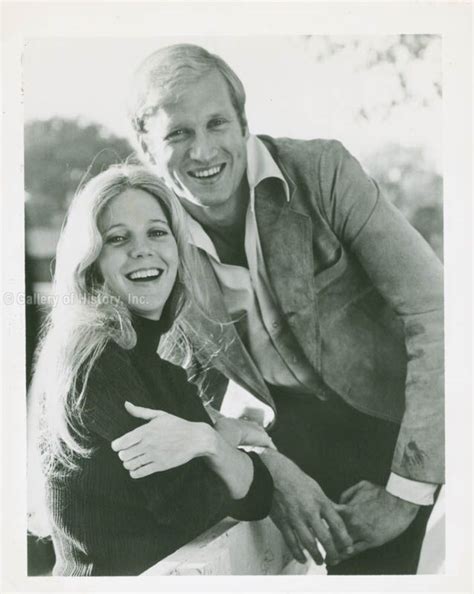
(139, 258)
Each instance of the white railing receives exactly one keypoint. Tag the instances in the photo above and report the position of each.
(258, 548)
(233, 548)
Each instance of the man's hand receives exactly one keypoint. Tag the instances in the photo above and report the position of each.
(304, 514)
(374, 516)
(239, 432)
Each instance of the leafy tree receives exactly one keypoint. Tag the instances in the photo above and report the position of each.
(410, 65)
(409, 181)
(59, 153)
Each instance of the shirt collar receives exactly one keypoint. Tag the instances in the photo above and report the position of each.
(260, 166)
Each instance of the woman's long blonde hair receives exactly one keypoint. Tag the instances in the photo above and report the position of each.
(85, 316)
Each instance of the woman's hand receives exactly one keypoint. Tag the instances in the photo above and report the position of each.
(238, 432)
(165, 442)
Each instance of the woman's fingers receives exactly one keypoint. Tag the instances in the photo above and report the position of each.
(136, 462)
(136, 435)
(140, 412)
(131, 453)
(144, 470)
(129, 439)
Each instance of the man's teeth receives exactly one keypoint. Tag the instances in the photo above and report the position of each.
(149, 273)
(207, 172)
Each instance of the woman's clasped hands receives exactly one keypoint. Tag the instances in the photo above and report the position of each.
(167, 441)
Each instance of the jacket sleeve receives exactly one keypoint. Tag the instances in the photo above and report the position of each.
(409, 276)
(191, 493)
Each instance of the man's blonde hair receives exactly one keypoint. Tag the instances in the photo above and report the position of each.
(165, 74)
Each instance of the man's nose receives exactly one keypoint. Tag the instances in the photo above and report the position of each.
(203, 148)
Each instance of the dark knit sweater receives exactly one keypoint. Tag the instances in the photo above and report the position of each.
(105, 522)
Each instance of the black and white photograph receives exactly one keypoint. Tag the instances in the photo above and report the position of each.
(234, 303)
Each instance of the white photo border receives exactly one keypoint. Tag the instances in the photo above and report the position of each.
(452, 21)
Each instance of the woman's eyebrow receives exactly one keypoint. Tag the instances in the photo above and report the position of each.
(107, 229)
(162, 221)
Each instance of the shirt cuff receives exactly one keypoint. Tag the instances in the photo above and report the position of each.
(409, 490)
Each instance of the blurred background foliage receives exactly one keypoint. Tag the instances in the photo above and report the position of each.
(409, 65)
(60, 155)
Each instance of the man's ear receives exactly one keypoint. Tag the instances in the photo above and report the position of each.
(245, 127)
(145, 150)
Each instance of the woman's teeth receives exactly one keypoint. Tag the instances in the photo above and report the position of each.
(149, 274)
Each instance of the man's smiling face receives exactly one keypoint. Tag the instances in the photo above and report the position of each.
(198, 144)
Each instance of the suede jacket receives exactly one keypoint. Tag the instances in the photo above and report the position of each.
(360, 291)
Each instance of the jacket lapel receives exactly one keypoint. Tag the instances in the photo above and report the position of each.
(286, 240)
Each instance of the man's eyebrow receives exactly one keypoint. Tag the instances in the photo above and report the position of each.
(219, 114)
(171, 126)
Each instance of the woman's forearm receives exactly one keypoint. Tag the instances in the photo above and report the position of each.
(234, 467)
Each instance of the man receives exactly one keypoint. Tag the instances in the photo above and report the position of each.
(321, 301)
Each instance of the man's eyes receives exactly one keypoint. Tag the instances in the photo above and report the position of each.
(176, 134)
(181, 133)
(217, 122)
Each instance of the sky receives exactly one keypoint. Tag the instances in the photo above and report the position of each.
(289, 93)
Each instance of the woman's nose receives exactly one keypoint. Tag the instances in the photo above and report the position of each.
(140, 248)
(203, 148)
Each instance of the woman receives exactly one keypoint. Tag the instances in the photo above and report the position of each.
(122, 275)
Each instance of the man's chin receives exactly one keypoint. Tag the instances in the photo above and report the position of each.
(196, 200)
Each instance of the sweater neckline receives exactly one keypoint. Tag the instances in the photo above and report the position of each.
(148, 333)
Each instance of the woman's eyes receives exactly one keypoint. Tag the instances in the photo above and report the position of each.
(115, 239)
(157, 233)
(120, 239)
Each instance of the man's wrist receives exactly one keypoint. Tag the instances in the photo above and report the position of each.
(282, 469)
(271, 458)
(404, 503)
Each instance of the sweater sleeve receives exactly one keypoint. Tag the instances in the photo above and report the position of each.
(190, 493)
(257, 503)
